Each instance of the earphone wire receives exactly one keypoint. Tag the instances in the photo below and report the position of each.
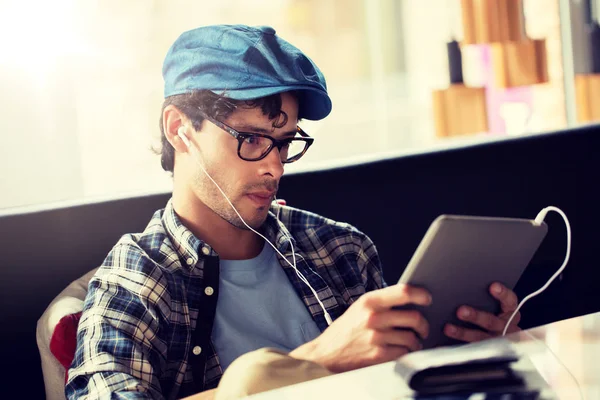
(298, 273)
(539, 219)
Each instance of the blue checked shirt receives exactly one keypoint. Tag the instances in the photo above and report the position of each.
(148, 315)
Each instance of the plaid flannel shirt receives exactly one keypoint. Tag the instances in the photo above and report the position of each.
(147, 318)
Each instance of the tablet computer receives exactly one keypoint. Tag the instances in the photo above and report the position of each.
(460, 257)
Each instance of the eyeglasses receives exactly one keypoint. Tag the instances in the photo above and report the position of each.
(255, 146)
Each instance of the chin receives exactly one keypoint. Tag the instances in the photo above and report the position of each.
(255, 219)
(258, 220)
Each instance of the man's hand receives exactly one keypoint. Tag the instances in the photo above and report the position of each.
(492, 324)
(370, 331)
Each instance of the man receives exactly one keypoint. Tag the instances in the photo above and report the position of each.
(215, 274)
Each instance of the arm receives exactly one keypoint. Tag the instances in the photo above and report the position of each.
(206, 395)
(119, 350)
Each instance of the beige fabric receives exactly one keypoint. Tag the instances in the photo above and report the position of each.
(263, 370)
(69, 301)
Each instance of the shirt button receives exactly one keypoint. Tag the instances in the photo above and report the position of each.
(205, 251)
(189, 261)
(197, 350)
(209, 291)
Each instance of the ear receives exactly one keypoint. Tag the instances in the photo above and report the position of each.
(173, 119)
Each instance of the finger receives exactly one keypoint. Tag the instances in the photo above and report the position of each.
(508, 299)
(395, 295)
(483, 319)
(399, 319)
(513, 328)
(465, 335)
(514, 324)
(506, 317)
(393, 337)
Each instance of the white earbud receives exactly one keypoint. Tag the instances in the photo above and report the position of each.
(181, 134)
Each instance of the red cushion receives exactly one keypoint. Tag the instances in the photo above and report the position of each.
(64, 340)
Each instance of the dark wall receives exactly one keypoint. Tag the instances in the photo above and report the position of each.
(41, 253)
(393, 201)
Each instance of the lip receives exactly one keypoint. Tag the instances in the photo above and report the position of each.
(261, 198)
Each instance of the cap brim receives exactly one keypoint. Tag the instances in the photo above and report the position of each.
(314, 104)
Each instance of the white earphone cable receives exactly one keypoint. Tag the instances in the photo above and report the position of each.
(293, 265)
(539, 219)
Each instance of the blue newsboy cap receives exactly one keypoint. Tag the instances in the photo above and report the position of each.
(244, 63)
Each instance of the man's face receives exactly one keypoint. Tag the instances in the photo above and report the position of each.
(250, 185)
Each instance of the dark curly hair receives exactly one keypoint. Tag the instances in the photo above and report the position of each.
(218, 107)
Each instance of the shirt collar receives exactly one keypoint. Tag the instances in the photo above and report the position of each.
(186, 244)
(277, 233)
(190, 248)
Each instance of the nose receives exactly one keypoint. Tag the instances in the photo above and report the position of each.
(271, 164)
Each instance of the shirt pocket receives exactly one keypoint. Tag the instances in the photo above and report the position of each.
(309, 331)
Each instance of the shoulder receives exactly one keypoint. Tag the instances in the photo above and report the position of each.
(297, 220)
(306, 226)
(339, 247)
(139, 265)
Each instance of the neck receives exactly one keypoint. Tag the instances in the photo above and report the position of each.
(230, 242)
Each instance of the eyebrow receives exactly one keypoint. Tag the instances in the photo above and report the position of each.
(257, 129)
